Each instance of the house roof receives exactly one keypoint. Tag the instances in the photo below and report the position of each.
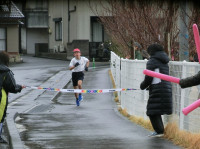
(10, 16)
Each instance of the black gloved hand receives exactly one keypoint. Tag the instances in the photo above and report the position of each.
(76, 64)
(86, 68)
(182, 83)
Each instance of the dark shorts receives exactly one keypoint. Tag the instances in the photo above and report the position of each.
(76, 76)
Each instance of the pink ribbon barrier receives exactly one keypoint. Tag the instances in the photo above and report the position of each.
(191, 107)
(161, 76)
(197, 39)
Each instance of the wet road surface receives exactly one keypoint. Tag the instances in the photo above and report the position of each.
(95, 124)
(33, 72)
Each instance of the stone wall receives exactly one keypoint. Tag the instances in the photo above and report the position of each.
(59, 56)
(83, 45)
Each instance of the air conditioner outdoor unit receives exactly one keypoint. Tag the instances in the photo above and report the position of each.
(55, 49)
(61, 48)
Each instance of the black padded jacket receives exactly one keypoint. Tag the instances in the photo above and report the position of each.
(160, 95)
(7, 84)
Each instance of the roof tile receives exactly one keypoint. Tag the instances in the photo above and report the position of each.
(15, 13)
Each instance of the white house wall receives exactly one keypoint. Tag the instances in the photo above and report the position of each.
(83, 20)
(80, 25)
(35, 36)
(80, 20)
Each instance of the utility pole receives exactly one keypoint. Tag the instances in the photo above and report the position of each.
(183, 35)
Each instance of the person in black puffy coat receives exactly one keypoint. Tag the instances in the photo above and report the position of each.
(7, 85)
(190, 81)
(160, 91)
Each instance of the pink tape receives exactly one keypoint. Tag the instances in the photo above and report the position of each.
(161, 76)
(191, 107)
(197, 39)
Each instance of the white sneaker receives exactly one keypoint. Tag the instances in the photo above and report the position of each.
(156, 135)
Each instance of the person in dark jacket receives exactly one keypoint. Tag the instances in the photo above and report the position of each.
(7, 85)
(139, 53)
(190, 81)
(137, 48)
(160, 91)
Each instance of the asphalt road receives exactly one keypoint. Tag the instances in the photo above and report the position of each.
(34, 71)
(96, 123)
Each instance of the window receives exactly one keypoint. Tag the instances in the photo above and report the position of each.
(58, 28)
(97, 30)
(37, 19)
(2, 39)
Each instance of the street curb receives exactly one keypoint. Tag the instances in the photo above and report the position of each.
(10, 122)
(14, 137)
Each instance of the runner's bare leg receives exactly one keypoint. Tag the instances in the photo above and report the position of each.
(80, 84)
(76, 94)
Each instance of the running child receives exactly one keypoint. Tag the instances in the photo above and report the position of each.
(78, 64)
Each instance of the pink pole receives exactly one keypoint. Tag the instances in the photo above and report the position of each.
(197, 39)
(161, 76)
(191, 107)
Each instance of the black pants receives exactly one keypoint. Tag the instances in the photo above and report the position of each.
(157, 123)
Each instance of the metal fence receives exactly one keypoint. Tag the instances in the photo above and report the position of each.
(129, 74)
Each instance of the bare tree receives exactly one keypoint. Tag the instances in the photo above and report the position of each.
(147, 22)
(194, 18)
(142, 21)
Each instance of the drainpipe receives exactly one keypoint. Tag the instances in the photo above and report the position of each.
(20, 40)
(69, 11)
(62, 24)
(68, 22)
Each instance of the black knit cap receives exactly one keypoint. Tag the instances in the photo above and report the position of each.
(153, 48)
(4, 58)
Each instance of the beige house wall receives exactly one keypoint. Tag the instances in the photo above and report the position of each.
(80, 25)
(13, 38)
(73, 21)
(58, 9)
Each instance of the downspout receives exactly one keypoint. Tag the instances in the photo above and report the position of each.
(69, 11)
(62, 24)
(19, 41)
(68, 22)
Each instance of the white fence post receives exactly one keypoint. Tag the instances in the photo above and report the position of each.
(120, 85)
(181, 122)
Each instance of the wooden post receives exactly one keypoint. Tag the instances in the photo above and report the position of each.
(132, 50)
